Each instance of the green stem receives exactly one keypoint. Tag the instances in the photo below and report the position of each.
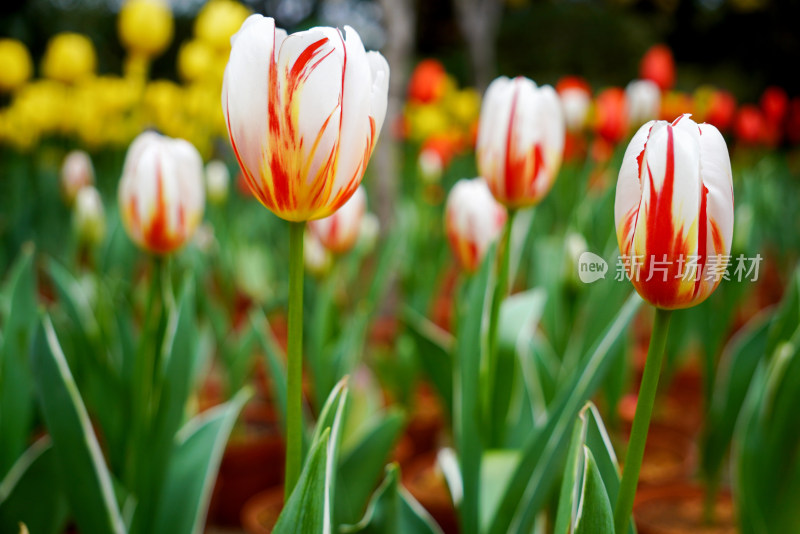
(294, 408)
(641, 421)
(500, 292)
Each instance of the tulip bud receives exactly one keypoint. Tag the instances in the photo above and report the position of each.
(161, 193)
(15, 65)
(774, 103)
(520, 140)
(339, 232)
(76, 173)
(89, 221)
(369, 232)
(643, 99)
(611, 115)
(473, 221)
(658, 65)
(69, 57)
(145, 27)
(750, 125)
(576, 100)
(575, 245)
(303, 114)
(218, 20)
(674, 211)
(217, 180)
(318, 259)
(430, 166)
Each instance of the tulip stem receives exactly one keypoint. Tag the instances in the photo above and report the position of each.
(500, 292)
(641, 421)
(294, 402)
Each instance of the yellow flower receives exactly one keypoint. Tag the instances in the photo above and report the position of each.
(465, 105)
(69, 57)
(41, 106)
(218, 21)
(426, 120)
(145, 26)
(196, 61)
(15, 64)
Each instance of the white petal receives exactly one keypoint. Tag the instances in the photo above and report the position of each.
(493, 131)
(380, 88)
(715, 166)
(629, 185)
(245, 89)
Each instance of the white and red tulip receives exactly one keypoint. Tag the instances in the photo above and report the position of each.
(303, 113)
(339, 232)
(520, 140)
(161, 192)
(643, 99)
(473, 221)
(576, 101)
(76, 172)
(674, 211)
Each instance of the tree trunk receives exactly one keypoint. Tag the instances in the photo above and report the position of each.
(479, 21)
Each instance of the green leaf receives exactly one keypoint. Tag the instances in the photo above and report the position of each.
(497, 466)
(542, 455)
(787, 318)
(80, 460)
(434, 349)
(195, 459)
(31, 486)
(594, 512)
(361, 466)
(275, 360)
(467, 395)
(519, 315)
(306, 509)
(736, 369)
(589, 434)
(392, 510)
(16, 382)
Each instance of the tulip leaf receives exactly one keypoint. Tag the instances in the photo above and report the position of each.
(787, 317)
(196, 455)
(467, 394)
(767, 484)
(542, 455)
(361, 466)
(497, 466)
(434, 348)
(594, 512)
(33, 485)
(735, 372)
(78, 455)
(588, 436)
(519, 315)
(16, 382)
(392, 510)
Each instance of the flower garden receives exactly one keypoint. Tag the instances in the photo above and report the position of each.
(304, 267)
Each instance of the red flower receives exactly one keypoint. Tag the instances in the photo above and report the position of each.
(659, 66)
(427, 82)
(611, 115)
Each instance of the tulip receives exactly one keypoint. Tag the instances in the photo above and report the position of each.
(16, 66)
(674, 211)
(721, 110)
(774, 103)
(76, 173)
(303, 114)
(161, 192)
(339, 232)
(89, 219)
(217, 180)
(658, 65)
(520, 140)
(427, 83)
(674, 217)
(473, 221)
(195, 61)
(316, 258)
(643, 99)
(576, 100)
(750, 125)
(218, 20)
(145, 27)
(68, 58)
(611, 115)
(434, 156)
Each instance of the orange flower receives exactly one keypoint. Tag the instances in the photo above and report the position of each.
(427, 83)
(303, 113)
(611, 115)
(658, 65)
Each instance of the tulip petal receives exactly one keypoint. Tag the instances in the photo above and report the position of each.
(245, 84)
(629, 188)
